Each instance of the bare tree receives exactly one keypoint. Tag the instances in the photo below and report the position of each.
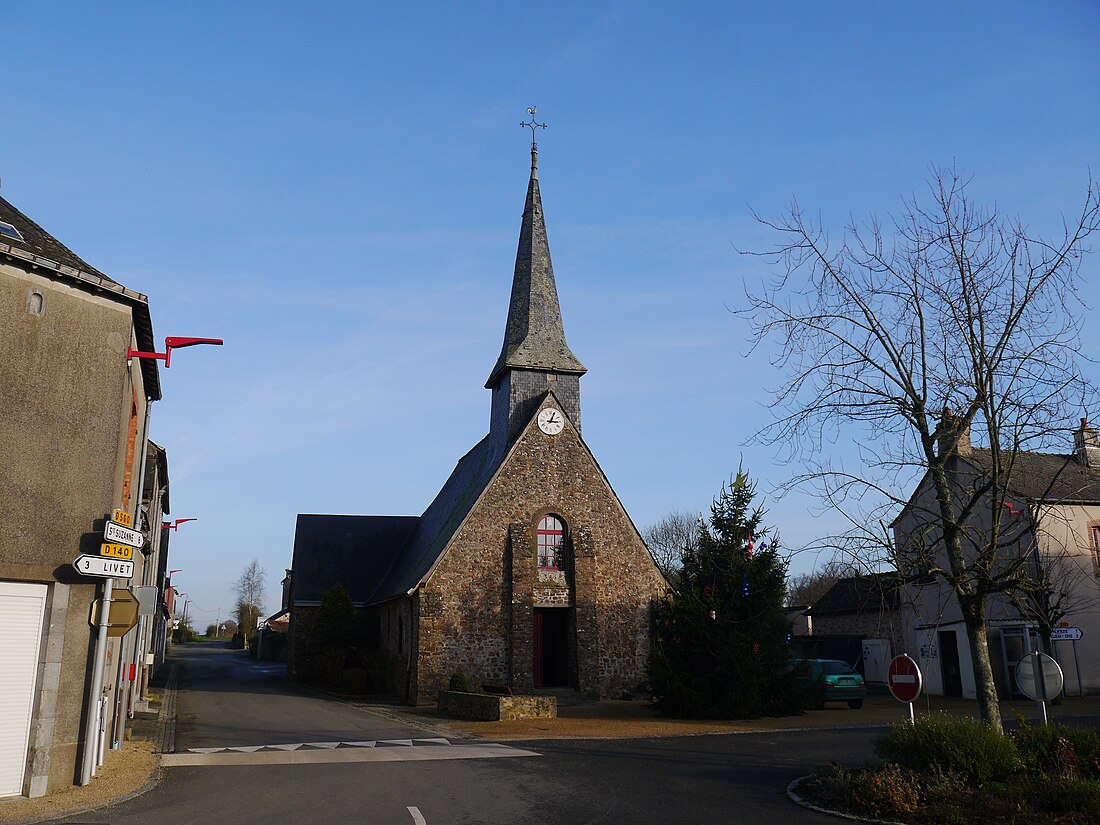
(668, 537)
(250, 597)
(952, 320)
(805, 589)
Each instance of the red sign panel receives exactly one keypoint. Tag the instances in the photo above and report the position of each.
(904, 679)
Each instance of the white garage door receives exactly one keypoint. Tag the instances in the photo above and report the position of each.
(21, 607)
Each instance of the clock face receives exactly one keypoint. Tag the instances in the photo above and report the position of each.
(551, 421)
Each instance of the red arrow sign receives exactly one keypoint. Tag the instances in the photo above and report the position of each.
(904, 679)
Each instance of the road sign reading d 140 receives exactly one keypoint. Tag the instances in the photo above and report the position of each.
(904, 679)
(103, 566)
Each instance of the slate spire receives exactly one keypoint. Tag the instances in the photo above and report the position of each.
(534, 338)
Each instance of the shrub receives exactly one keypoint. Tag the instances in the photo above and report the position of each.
(887, 791)
(972, 749)
(458, 682)
(1058, 750)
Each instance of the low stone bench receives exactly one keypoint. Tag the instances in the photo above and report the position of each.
(486, 707)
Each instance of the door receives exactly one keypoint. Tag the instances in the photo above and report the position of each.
(949, 663)
(876, 659)
(21, 609)
(551, 647)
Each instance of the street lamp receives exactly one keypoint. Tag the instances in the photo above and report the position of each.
(171, 343)
(175, 525)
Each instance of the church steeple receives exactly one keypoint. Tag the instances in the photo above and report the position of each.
(534, 337)
(534, 356)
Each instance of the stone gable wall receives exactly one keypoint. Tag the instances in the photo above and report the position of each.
(476, 607)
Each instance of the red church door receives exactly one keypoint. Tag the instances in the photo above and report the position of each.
(551, 647)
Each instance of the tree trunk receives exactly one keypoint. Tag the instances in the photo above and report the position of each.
(988, 708)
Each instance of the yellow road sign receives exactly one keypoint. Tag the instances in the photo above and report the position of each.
(123, 518)
(116, 551)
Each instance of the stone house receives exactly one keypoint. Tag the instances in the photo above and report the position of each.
(525, 570)
(1051, 513)
(72, 431)
(861, 620)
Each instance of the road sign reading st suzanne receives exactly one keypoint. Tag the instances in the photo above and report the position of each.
(102, 566)
(113, 531)
(904, 679)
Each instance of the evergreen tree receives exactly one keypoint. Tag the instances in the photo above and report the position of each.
(721, 643)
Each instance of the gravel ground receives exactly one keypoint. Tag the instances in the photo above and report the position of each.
(623, 719)
(124, 773)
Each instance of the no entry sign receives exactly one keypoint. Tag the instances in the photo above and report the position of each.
(904, 679)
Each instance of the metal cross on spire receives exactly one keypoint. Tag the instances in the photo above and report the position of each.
(534, 124)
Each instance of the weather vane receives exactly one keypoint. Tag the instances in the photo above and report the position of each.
(533, 125)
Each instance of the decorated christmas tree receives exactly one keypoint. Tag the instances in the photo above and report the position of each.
(721, 643)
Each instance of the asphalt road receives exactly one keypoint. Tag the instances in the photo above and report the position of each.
(365, 767)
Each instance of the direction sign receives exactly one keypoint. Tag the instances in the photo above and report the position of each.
(102, 566)
(1039, 677)
(1065, 634)
(113, 531)
(123, 518)
(904, 678)
(117, 551)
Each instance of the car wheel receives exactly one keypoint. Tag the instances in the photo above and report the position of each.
(855, 704)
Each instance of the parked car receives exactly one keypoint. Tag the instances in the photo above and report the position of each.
(831, 680)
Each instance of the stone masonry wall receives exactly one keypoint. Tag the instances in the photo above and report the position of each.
(477, 606)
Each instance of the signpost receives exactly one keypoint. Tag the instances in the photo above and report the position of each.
(113, 531)
(904, 680)
(103, 566)
(1039, 677)
(123, 518)
(1065, 634)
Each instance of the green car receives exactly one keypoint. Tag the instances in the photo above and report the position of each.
(831, 680)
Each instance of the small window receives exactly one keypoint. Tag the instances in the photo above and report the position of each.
(551, 541)
(9, 231)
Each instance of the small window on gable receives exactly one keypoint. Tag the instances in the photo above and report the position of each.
(551, 541)
(9, 231)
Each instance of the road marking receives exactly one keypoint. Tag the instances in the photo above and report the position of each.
(323, 756)
(418, 817)
(370, 743)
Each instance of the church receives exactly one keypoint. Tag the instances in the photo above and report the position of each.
(525, 571)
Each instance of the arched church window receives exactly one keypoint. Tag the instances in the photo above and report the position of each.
(551, 541)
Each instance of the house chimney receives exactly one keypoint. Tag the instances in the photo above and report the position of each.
(949, 431)
(1086, 446)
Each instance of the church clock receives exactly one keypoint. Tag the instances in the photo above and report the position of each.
(551, 421)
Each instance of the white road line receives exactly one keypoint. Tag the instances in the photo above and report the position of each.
(418, 817)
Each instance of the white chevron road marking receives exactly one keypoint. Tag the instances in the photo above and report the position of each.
(320, 756)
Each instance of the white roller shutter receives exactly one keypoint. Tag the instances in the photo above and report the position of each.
(21, 607)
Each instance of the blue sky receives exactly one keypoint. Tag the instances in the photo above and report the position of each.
(335, 189)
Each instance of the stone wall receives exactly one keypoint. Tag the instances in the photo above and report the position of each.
(486, 707)
(476, 612)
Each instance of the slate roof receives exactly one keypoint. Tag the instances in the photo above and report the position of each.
(40, 242)
(1050, 477)
(534, 337)
(355, 551)
(442, 518)
(875, 593)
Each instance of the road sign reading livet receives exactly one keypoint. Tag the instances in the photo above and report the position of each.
(103, 566)
(113, 531)
(904, 679)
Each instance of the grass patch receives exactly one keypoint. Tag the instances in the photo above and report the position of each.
(960, 772)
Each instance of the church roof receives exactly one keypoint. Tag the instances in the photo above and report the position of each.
(534, 337)
(355, 551)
